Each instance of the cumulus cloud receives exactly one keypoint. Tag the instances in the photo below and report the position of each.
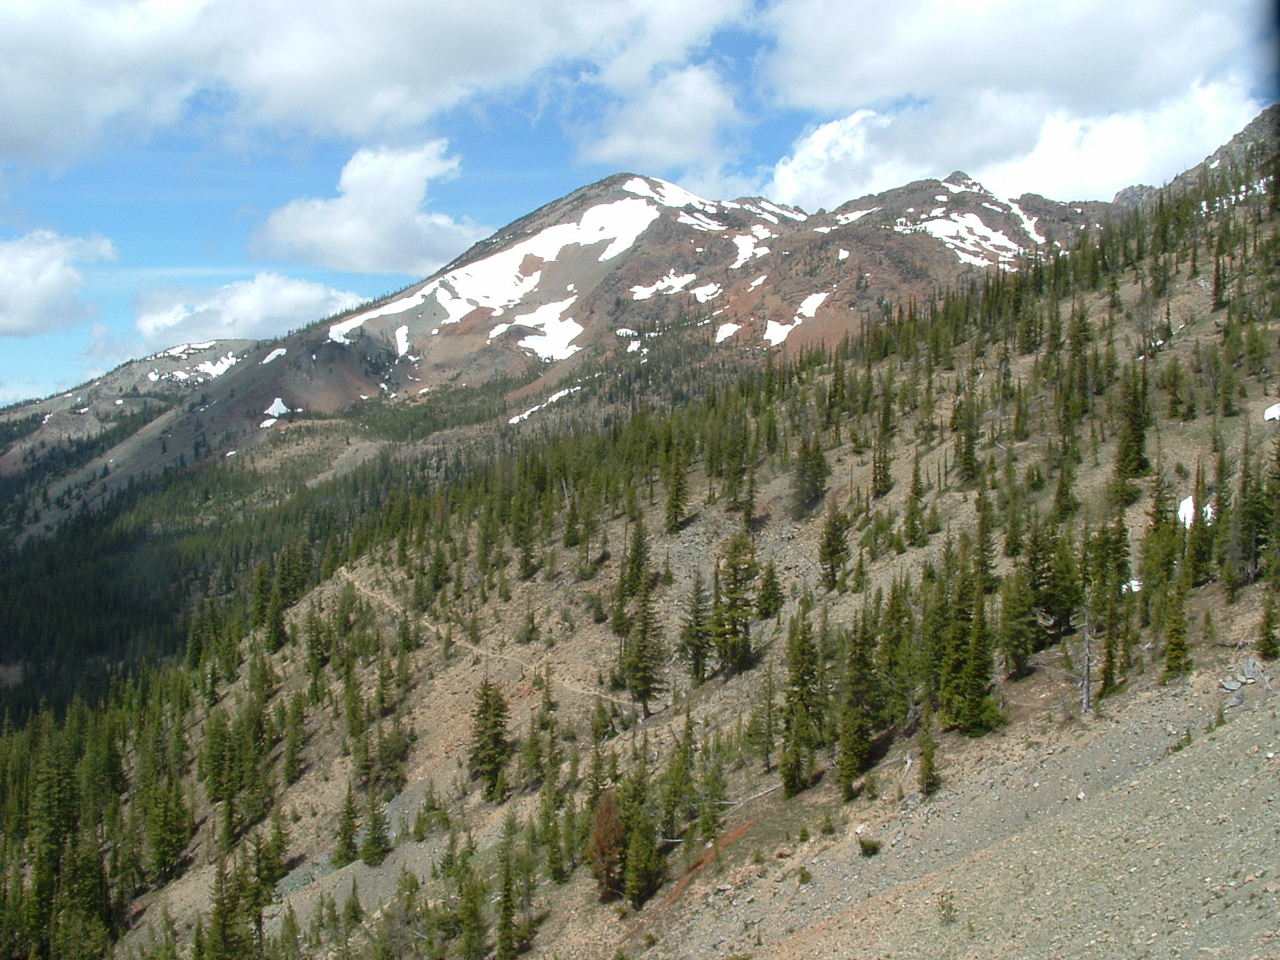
(377, 223)
(330, 67)
(265, 306)
(40, 283)
(996, 88)
(677, 121)
(1077, 157)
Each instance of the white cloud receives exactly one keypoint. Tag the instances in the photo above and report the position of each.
(676, 121)
(377, 223)
(265, 306)
(40, 283)
(1092, 157)
(833, 163)
(72, 71)
(838, 55)
(998, 87)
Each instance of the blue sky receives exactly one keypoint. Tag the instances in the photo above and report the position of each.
(180, 170)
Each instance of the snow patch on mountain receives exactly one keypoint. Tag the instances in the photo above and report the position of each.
(668, 194)
(278, 408)
(706, 292)
(1028, 223)
(668, 284)
(558, 331)
(967, 236)
(275, 354)
(498, 282)
(844, 219)
(726, 330)
(700, 222)
(402, 339)
(757, 281)
(216, 368)
(810, 304)
(555, 397)
(748, 246)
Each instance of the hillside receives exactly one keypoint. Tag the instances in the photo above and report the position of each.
(947, 629)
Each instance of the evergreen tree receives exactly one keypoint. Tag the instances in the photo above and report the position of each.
(1018, 628)
(506, 921)
(375, 845)
(1177, 655)
(855, 715)
(695, 632)
(643, 652)
(913, 518)
(928, 773)
(491, 745)
(1131, 455)
(809, 475)
(881, 461)
(833, 548)
(732, 618)
(1268, 640)
(677, 494)
(769, 600)
(344, 851)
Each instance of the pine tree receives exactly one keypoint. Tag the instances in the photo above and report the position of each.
(506, 921)
(881, 461)
(1177, 655)
(855, 715)
(1131, 455)
(643, 654)
(732, 619)
(1018, 628)
(695, 632)
(1268, 640)
(913, 519)
(769, 600)
(375, 845)
(344, 851)
(809, 475)
(491, 745)
(833, 548)
(928, 774)
(677, 493)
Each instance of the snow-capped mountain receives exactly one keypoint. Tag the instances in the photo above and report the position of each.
(597, 273)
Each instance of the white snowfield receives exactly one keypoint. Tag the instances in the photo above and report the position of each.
(558, 331)
(558, 395)
(275, 354)
(1272, 412)
(1187, 511)
(748, 245)
(216, 368)
(668, 284)
(726, 330)
(498, 282)
(278, 408)
(844, 219)
(776, 333)
(967, 236)
(706, 292)
(402, 340)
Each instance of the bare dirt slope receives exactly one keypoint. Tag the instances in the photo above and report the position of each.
(1109, 838)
